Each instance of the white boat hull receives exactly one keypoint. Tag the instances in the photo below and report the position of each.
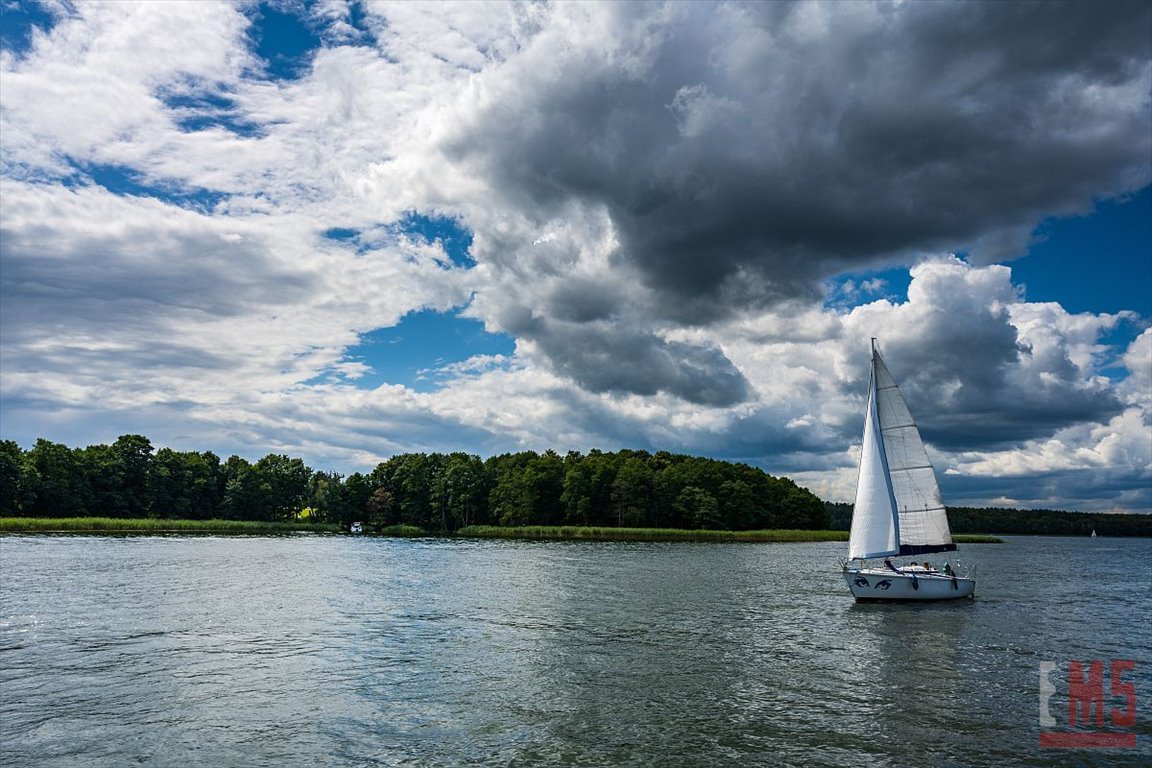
(881, 585)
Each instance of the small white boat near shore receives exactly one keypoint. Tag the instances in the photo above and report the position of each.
(898, 509)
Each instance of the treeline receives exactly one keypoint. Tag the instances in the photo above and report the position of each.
(1023, 521)
(437, 492)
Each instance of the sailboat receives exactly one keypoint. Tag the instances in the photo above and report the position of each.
(898, 510)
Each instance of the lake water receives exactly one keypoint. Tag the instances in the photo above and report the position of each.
(341, 651)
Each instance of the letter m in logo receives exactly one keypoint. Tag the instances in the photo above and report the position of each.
(1085, 692)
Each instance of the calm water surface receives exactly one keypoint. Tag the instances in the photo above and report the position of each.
(338, 651)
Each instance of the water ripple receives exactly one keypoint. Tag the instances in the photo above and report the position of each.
(364, 652)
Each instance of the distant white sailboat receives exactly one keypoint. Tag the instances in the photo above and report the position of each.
(1093, 533)
(898, 509)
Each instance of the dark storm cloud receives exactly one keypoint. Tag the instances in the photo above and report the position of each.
(585, 338)
(609, 358)
(1084, 490)
(582, 300)
(760, 149)
(973, 396)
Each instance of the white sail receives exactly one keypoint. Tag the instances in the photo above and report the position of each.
(898, 507)
(923, 519)
(875, 530)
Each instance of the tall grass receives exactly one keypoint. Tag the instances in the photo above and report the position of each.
(565, 532)
(572, 532)
(137, 525)
(408, 531)
(644, 534)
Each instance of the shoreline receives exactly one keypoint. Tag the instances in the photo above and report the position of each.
(116, 525)
(592, 533)
(109, 525)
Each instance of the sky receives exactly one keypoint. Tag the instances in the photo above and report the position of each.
(347, 230)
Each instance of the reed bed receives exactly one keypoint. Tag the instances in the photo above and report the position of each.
(583, 533)
(407, 531)
(561, 532)
(138, 525)
(572, 532)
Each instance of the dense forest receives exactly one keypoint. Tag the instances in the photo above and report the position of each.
(437, 492)
(445, 492)
(1022, 521)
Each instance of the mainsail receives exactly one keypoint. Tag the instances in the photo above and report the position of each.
(898, 509)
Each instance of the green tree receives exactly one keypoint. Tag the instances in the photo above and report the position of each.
(134, 461)
(632, 492)
(699, 508)
(381, 509)
(61, 486)
(544, 476)
(576, 495)
(512, 498)
(240, 499)
(12, 479)
(738, 508)
(798, 507)
(602, 468)
(185, 484)
(326, 497)
(282, 484)
(357, 491)
(408, 479)
(460, 491)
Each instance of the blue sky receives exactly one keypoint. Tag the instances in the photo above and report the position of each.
(343, 230)
(1099, 262)
(416, 351)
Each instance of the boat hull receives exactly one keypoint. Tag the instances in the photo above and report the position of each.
(878, 585)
